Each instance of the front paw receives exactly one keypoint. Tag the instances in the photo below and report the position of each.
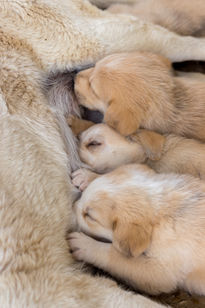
(82, 177)
(82, 246)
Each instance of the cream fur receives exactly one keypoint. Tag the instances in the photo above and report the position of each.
(151, 228)
(104, 149)
(36, 194)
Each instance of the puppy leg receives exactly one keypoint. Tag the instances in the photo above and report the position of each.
(145, 273)
(83, 177)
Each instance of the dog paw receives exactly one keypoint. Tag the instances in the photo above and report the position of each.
(82, 178)
(82, 246)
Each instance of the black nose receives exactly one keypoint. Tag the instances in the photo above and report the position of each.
(92, 115)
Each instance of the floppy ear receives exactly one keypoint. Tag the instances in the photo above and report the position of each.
(78, 125)
(152, 143)
(131, 239)
(121, 119)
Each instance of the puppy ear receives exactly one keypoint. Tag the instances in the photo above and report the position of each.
(78, 125)
(131, 239)
(121, 119)
(152, 143)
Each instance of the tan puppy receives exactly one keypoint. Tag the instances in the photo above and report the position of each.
(140, 90)
(184, 17)
(154, 224)
(104, 149)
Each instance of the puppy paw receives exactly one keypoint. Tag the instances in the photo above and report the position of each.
(83, 247)
(82, 178)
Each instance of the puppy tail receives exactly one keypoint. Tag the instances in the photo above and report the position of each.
(61, 97)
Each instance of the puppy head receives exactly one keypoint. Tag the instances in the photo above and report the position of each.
(125, 88)
(115, 210)
(104, 149)
(87, 92)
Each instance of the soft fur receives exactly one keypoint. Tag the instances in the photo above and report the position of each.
(38, 38)
(104, 149)
(184, 17)
(154, 224)
(138, 89)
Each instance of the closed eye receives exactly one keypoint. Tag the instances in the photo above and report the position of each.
(93, 143)
(87, 215)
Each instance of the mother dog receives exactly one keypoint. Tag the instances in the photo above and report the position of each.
(36, 37)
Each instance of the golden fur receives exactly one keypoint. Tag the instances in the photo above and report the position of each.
(151, 228)
(104, 149)
(138, 89)
(38, 152)
(184, 17)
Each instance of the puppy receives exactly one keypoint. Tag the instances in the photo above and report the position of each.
(152, 226)
(183, 17)
(104, 149)
(135, 90)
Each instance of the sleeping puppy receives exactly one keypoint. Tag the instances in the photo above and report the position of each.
(183, 17)
(104, 149)
(135, 90)
(152, 226)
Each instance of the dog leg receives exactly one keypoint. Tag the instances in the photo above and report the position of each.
(134, 34)
(86, 34)
(143, 272)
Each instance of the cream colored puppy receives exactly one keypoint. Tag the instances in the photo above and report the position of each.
(152, 226)
(104, 149)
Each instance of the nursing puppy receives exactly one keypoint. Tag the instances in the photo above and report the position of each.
(135, 90)
(183, 17)
(154, 224)
(104, 149)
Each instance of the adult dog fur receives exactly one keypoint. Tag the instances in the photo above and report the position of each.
(38, 37)
(138, 89)
(152, 226)
(183, 17)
